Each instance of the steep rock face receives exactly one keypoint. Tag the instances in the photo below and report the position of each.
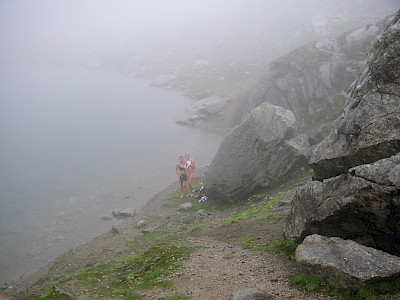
(313, 80)
(369, 128)
(358, 164)
(257, 151)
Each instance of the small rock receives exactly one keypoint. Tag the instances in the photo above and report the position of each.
(129, 212)
(116, 229)
(107, 218)
(250, 294)
(141, 223)
(185, 205)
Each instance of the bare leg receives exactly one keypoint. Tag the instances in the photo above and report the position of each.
(183, 186)
(190, 179)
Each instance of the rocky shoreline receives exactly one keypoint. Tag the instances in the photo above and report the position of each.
(229, 251)
(221, 266)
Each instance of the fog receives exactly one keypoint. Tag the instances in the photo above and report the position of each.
(83, 132)
(47, 31)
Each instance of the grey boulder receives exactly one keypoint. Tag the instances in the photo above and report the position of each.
(345, 263)
(364, 202)
(256, 152)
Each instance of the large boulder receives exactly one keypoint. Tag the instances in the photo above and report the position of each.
(261, 149)
(346, 263)
(369, 128)
(363, 205)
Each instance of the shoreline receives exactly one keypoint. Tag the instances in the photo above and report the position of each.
(220, 264)
(50, 207)
(147, 209)
(225, 257)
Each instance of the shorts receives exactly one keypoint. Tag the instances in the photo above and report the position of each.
(182, 178)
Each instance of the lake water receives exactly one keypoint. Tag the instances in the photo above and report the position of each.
(75, 145)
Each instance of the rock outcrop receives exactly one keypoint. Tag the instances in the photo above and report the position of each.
(346, 263)
(356, 192)
(369, 128)
(126, 213)
(312, 81)
(201, 110)
(262, 148)
(362, 205)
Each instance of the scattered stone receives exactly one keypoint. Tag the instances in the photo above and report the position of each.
(116, 229)
(250, 294)
(141, 223)
(129, 212)
(185, 205)
(345, 263)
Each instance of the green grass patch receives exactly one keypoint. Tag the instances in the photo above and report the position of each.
(273, 217)
(287, 247)
(293, 180)
(125, 275)
(250, 242)
(314, 284)
(309, 283)
(51, 294)
(255, 211)
(155, 236)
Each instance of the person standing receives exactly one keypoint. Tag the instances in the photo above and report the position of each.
(190, 166)
(181, 171)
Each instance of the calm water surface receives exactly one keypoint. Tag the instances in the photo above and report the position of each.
(75, 145)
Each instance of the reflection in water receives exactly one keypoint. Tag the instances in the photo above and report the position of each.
(77, 144)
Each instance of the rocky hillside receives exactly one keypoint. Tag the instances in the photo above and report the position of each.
(347, 219)
(303, 90)
(313, 81)
(356, 192)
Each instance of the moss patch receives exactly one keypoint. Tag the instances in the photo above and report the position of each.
(126, 275)
(255, 211)
(314, 284)
(287, 247)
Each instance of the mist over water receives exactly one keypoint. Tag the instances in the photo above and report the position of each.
(77, 144)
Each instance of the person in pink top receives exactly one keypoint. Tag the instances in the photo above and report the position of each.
(190, 166)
